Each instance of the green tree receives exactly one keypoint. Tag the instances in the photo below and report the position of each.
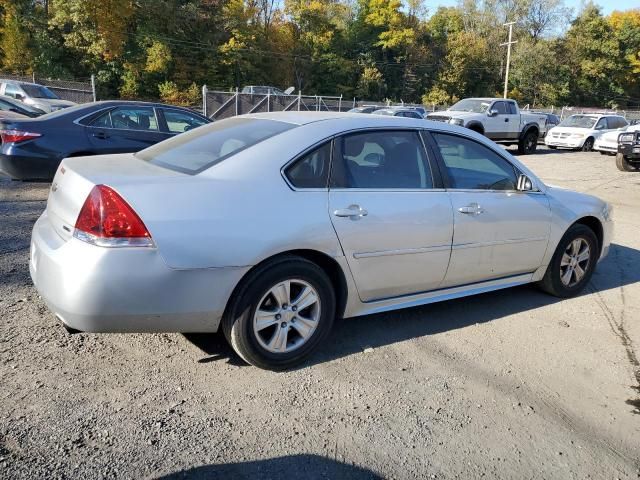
(14, 43)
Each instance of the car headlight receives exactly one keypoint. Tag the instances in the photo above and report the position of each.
(456, 121)
(577, 135)
(625, 138)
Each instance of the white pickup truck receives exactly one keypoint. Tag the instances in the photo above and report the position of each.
(497, 118)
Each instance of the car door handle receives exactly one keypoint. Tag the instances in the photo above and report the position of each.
(353, 211)
(471, 209)
(506, 119)
(101, 135)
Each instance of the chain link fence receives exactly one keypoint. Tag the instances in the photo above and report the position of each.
(77, 91)
(219, 105)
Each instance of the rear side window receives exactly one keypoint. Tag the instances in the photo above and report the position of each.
(134, 118)
(201, 148)
(512, 108)
(103, 121)
(311, 170)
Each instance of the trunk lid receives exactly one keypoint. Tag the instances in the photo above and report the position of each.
(77, 176)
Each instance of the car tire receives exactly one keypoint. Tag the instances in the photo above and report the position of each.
(254, 302)
(562, 278)
(623, 164)
(587, 146)
(528, 143)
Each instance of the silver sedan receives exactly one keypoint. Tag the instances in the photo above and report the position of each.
(269, 226)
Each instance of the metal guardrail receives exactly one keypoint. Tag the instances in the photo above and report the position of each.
(72, 90)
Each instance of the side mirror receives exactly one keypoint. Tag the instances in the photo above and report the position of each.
(19, 96)
(492, 113)
(524, 184)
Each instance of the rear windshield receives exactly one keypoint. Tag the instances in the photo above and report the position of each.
(38, 91)
(195, 151)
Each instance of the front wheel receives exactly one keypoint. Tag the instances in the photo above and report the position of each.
(623, 164)
(280, 314)
(587, 146)
(528, 144)
(572, 263)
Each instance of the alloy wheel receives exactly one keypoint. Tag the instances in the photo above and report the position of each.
(575, 262)
(287, 316)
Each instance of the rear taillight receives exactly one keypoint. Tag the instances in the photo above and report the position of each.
(107, 220)
(15, 136)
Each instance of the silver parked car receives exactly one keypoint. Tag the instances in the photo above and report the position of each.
(269, 226)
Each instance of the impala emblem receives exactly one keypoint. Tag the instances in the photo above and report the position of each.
(54, 187)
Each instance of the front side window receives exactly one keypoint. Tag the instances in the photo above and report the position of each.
(602, 124)
(472, 166)
(12, 90)
(500, 107)
(201, 148)
(134, 118)
(179, 122)
(312, 170)
(381, 160)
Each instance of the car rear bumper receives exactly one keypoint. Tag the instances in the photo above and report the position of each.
(26, 167)
(96, 289)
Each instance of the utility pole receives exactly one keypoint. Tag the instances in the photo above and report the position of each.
(508, 44)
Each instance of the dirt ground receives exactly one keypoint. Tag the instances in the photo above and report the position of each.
(511, 384)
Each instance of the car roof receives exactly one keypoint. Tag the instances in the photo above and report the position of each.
(357, 119)
(20, 82)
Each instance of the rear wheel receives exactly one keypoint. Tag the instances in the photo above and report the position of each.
(572, 263)
(587, 146)
(528, 143)
(623, 164)
(280, 314)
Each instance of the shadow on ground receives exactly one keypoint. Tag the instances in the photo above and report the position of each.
(353, 335)
(295, 466)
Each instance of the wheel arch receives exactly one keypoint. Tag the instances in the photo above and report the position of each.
(595, 225)
(528, 128)
(476, 127)
(327, 263)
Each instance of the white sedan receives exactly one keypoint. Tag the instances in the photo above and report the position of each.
(270, 226)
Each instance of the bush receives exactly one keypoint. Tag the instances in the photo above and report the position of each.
(171, 93)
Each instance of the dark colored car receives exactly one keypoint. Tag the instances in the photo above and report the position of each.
(364, 109)
(32, 149)
(8, 104)
(551, 121)
(399, 112)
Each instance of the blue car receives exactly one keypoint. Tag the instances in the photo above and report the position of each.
(32, 148)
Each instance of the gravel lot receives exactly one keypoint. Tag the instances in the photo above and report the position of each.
(512, 384)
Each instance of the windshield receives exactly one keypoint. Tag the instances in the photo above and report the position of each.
(195, 151)
(578, 121)
(471, 105)
(8, 103)
(38, 91)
